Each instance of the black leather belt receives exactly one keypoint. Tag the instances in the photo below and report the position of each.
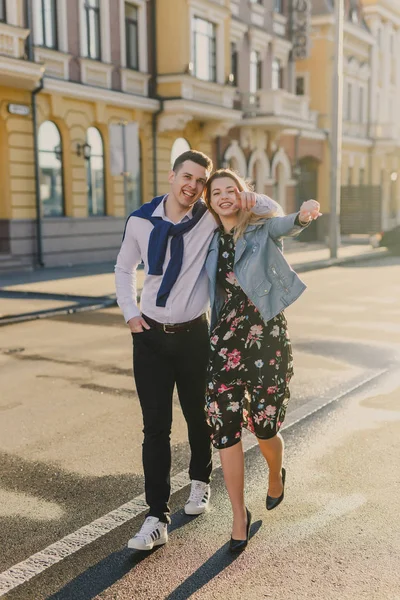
(175, 327)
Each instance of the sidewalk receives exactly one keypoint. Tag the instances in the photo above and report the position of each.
(54, 290)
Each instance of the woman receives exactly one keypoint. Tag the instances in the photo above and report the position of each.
(251, 356)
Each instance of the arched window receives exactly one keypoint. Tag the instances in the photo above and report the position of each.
(134, 186)
(179, 146)
(95, 173)
(50, 170)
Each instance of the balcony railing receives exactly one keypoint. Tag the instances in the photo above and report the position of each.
(279, 103)
(12, 41)
(353, 129)
(191, 88)
(383, 131)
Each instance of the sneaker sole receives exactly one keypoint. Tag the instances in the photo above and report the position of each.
(135, 546)
(196, 511)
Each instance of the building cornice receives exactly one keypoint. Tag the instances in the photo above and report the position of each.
(98, 94)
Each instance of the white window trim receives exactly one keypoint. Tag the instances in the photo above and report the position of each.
(61, 24)
(142, 33)
(217, 17)
(105, 41)
(12, 13)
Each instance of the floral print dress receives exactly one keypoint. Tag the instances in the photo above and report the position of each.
(251, 363)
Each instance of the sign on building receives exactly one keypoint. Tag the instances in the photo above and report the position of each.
(300, 20)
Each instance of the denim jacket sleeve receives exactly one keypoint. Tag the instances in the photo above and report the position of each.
(284, 226)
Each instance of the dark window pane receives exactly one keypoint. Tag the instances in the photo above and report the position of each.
(50, 170)
(300, 87)
(3, 10)
(132, 41)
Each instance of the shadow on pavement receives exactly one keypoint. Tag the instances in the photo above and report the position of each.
(211, 568)
(107, 572)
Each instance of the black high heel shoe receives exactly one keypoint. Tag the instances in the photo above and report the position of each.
(274, 502)
(240, 545)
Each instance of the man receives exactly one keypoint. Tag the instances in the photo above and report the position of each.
(171, 235)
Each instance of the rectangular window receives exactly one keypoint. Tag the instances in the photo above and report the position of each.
(300, 86)
(255, 71)
(92, 25)
(3, 11)
(277, 75)
(204, 49)
(132, 38)
(278, 6)
(349, 112)
(45, 23)
(350, 176)
(361, 105)
(234, 65)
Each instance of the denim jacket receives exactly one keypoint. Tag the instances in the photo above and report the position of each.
(260, 268)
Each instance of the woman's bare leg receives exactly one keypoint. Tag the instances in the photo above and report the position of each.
(272, 451)
(232, 461)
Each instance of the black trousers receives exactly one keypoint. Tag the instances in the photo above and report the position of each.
(161, 361)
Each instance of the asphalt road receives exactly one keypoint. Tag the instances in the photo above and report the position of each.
(70, 443)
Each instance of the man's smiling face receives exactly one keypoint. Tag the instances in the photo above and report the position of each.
(187, 183)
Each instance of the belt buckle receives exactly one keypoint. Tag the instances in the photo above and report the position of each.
(165, 325)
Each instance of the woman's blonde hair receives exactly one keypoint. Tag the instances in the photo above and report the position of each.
(244, 218)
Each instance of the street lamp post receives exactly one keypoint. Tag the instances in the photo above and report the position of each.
(336, 131)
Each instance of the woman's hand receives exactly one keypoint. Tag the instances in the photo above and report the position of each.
(309, 210)
(245, 200)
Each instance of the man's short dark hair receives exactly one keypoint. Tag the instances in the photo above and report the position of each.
(195, 156)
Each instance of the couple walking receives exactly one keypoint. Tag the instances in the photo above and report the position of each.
(226, 252)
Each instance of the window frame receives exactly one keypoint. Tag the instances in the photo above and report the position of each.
(3, 4)
(89, 171)
(54, 24)
(53, 152)
(212, 49)
(87, 9)
(128, 22)
(279, 7)
(279, 72)
(257, 65)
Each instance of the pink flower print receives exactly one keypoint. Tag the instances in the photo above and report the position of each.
(233, 406)
(237, 435)
(250, 424)
(278, 353)
(214, 339)
(228, 335)
(270, 410)
(223, 388)
(233, 360)
(231, 315)
(223, 352)
(272, 389)
(272, 362)
(230, 278)
(256, 331)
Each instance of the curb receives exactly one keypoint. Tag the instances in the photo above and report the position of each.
(97, 304)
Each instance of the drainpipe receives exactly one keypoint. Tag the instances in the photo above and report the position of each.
(31, 57)
(153, 91)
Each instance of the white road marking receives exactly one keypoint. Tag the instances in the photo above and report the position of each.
(68, 545)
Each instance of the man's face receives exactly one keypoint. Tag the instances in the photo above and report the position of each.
(188, 183)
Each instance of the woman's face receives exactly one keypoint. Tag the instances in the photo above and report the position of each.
(223, 197)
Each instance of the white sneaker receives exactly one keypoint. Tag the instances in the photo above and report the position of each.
(199, 498)
(153, 533)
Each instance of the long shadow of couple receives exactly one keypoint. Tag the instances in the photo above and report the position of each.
(108, 571)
